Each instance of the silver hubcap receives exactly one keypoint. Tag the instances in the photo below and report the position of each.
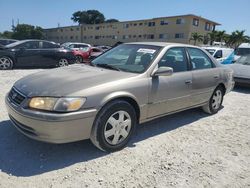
(117, 127)
(63, 62)
(5, 63)
(217, 97)
(79, 59)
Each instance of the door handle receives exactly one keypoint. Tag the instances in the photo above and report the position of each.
(216, 76)
(188, 82)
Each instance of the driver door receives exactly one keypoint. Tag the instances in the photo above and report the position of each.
(171, 93)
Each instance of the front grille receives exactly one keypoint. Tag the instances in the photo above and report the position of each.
(16, 97)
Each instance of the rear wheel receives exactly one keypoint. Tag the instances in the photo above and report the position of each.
(79, 59)
(63, 62)
(6, 63)
(215, 101)
(114, 126)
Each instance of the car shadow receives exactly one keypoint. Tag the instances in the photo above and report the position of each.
(21, 156)
(242, 89)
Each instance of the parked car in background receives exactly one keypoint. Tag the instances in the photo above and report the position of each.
(241, 70)
(95, 52)
(129, 84)
(223, 55)
(242, 50)
(104, 48)
(34, 53)
(75, 45)
(7, 41)
(82, 55)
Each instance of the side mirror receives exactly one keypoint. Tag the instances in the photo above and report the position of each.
(163, 71)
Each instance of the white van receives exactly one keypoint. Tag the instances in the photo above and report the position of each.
(243, 49)
(223, 55)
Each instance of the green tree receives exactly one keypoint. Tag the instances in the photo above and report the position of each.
(6, 34)
(196, 37)
(25, 31)
(220, 35)
(88, 17)
(212, 37)
(111, 20)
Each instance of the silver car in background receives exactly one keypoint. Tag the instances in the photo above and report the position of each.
(130, 84)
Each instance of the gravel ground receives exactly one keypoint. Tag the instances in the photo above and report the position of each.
(188, 149)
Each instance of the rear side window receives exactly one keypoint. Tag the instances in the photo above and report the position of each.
(29, 45)
(176, 59)
(199, 59)
(49, 45)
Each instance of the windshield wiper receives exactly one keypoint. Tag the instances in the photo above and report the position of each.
(108, 66)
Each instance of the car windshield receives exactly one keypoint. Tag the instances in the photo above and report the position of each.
(244, 60)
(242, 51)
(134, 58)
(211, 51)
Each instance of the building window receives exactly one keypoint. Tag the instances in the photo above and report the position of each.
(71, 37)
(179, 35)
(180, 21)
(85, 37)
(135, 24)
(78, 28)
(61, 30)
(134, 36)
(97, 28)
(71, 29)
(207, 26)
(126, 25)
(140, 24)
(196, 22)
(114, 37)
(164, 22)
(139, 36)
(162, 36)
(151, 24)
(150, 36)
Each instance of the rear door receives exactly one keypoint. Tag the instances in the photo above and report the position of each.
(48, 54)
(205, 75)
(171, 93)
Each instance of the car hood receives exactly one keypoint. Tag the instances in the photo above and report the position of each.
(240, 70)
(67, 81)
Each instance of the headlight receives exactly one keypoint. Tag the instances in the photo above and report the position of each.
(65, 104)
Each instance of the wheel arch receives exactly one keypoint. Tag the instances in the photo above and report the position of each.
(125, 97)
(222, 85)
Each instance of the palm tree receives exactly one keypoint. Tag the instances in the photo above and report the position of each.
(212, 36)
(237, 37)
(220, 36)
(196, 37)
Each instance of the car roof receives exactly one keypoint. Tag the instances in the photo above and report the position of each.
(162, 44)
(245, 45)
(216, 48)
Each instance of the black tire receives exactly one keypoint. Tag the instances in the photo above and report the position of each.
(6, 63)
(210, 106)
(63, 62)
(79, 59)
(101, 123)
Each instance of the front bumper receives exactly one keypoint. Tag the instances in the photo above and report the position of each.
(51, 127)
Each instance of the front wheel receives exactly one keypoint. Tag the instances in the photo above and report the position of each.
(6, 63)
(63, 62)
(215, 102)
(114, 126)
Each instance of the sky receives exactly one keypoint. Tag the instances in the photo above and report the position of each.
(232, 14)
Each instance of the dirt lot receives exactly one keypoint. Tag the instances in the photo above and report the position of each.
(188, 149)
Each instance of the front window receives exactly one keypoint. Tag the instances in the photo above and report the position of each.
(244, 60)
(129, 57)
